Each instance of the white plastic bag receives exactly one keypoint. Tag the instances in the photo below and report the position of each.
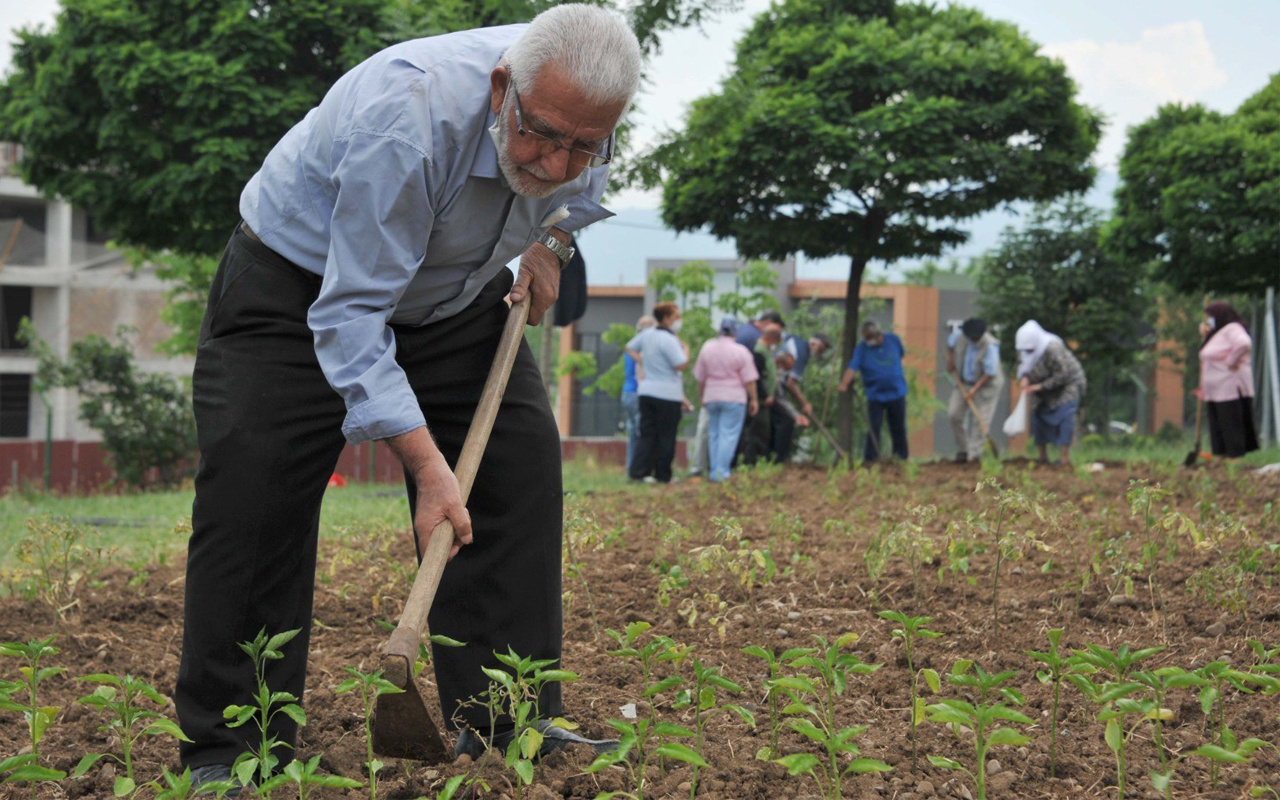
(1017, 422)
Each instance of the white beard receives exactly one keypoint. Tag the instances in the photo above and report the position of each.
(521, 180)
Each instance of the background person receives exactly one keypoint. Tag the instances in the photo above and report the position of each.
(878, 361)
(727, 375)
(355, 303)
(663, 356)
(1226, 381)
(630, 399)
(784, 424)
(1055, 381)
(973, 356)
(753, 444)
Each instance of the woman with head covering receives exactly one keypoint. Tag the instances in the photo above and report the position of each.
(1055, 380)
(1226, 381)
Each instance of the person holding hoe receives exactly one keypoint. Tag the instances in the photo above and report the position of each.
(361, 300)
(973, 356)
(878, 360)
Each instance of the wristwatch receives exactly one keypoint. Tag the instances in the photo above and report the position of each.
(563, 251)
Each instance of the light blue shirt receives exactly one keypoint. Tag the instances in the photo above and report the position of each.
(969, 369)
(390, 189)
(661, 356)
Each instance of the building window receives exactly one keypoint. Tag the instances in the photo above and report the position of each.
(15, 304)
(15, 405)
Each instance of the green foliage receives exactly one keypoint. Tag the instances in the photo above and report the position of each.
(153, 117)
(306, 777)
(775, 689)
(24, 769)
(646, 738)
(612, 379)
(814, 689)
(1058, 667)
(369, 687)
(913, 628)
(907, 539)
(1103, 676)
(262, 761)
(128, 720)
(513, 692)
(980, 717)
(145, 419)
(38, 718)
(1052, 270)
(54, 563)
(1200, 195)
(703, 697)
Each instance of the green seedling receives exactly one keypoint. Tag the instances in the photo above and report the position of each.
(1103, 676)
(1141, 497)
(656, 650)
(1058, 668)
(267, 705)
(907, 539)
(913, 628)
(55, 563)
(981, 717)
(37, 717)
(814, 702)
(1266, 666)
(514, 693)
(1007, 541)
(1159, 682)
(129, 719)
(775, 690)
(647, 740)
(178, 787)
(1228, 751)
(306, 777)
(702, 697)
(369, 686)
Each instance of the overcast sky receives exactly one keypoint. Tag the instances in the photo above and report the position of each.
(1128, 56)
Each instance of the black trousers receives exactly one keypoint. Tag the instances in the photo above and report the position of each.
(753, 443)
(1231, 429)
(782, 433)
(896, 412)
(659, 424)
(269, 429)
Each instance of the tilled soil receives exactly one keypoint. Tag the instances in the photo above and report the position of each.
(643, 556)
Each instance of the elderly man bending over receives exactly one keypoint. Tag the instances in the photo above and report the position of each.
(362, 299)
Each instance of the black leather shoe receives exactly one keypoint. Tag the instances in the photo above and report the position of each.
(212, 778)
(553, 738)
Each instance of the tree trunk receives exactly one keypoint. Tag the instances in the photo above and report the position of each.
(849, 340)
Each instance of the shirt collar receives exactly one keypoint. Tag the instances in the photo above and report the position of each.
(485, 164)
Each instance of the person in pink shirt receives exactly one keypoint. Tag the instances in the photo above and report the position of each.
(1226, 381)
(726, 375)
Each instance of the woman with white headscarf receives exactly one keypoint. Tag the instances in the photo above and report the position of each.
(1055, 381)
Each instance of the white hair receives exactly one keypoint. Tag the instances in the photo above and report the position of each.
(594, 46)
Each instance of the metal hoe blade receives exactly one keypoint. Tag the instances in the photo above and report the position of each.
(402, 726)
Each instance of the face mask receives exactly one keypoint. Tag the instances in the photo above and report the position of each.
(1212, 322)
(675, 326)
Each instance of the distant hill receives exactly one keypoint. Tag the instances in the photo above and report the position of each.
(617, 248)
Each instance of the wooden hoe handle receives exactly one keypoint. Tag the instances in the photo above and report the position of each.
(413, 621)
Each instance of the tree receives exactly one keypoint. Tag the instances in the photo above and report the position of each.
(153, 116)
(145, 419)
(1200, 196)
(1055, 271)
(870, 129)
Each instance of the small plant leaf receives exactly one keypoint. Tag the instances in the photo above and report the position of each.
(932, 678)
(864, 765)
(944, 763)
(798, 763)
(682, 752)
(124, 786)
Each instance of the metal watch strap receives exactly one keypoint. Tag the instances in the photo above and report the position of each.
(563, 251)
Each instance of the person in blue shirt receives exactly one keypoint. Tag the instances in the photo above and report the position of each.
(362, 299)
(878, 360)
(973, 356)
(630, 399)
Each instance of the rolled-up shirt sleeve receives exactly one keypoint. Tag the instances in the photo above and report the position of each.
(381, 221)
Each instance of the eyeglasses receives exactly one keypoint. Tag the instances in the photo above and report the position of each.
(581, 154)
